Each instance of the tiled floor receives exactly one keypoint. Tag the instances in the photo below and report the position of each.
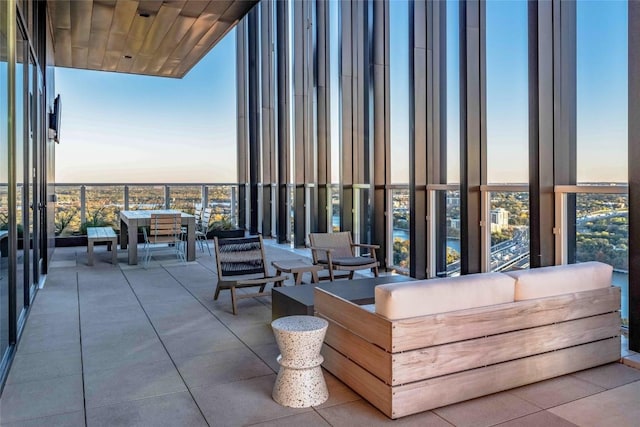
(123, 345)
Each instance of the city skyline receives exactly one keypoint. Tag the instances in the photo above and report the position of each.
(170, 130)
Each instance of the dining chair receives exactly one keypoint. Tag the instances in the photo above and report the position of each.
(164, 233)
(202, 227)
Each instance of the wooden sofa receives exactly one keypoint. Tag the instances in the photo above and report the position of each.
(426, 344)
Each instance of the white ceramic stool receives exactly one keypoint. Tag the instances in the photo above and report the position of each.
(300, 382)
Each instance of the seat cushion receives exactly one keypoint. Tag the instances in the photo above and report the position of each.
(561, 279)
(422, 297)
(352, 261)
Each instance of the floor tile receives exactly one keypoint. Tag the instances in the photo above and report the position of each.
(241, 402)
(619, 407)
(131, 382)
(556, 391)
(177, 322)
(191, 343)
(36, 399)
(254, 334)
(339, 393)
(609, 376)
(221, 367)
(486, 411)
(308, 419)
(59, 337)
(44, 366)
(70, 419)
(542, 418)
(361, 413)
(169, 410)
(130, 350)
(100, 315)
(62, 264)
(268, 353)
(158, 309)
(116, 332)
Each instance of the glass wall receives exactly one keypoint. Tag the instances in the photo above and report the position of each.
(102, 206)
(453, 91)
(452, 197)
(602, 226)
(602, 91)
(602, 234)
(335, 121)
(146, 197)
(508, 132)
(4, 181)
(507, 92)
(399, 129)
(21, 193)
(509, 227)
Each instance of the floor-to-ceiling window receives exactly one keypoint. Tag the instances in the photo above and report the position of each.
(602, 226)
(334, 117)
(507, 116)
(22, 135)
(399, 130)
(22, 138)
(4, 181)
(452, 194)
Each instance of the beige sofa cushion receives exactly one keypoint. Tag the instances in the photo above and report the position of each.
(423, 297)
(561, 279)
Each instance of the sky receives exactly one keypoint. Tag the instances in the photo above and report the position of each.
(601, 91)
(127, 128)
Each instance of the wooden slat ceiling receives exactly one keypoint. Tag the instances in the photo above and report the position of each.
(152, 37)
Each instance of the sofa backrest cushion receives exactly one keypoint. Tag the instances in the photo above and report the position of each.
(561, 279)
(422, 297)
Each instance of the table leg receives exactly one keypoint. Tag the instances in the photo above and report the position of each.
(90, 252)
(191, 239)
(133, 242)
(114, 251)
(298, 276)
(314, 277)
(124, 229)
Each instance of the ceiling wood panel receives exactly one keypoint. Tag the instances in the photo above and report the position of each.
(152, 37)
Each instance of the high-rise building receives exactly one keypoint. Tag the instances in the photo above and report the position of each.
(499, 219)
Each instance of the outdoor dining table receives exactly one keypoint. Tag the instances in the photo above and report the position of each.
(131, 220)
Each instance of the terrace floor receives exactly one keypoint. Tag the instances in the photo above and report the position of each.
(123, 345)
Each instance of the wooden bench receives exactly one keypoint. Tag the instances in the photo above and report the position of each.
(102, 234)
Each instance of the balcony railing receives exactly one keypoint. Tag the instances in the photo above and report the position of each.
(100, 203)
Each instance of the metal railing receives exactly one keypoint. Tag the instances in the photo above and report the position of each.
(100, 203)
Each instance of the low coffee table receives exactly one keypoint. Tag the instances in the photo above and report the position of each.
(298, 300)
(297, 267)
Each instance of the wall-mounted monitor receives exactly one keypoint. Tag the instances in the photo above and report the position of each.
(55, 117)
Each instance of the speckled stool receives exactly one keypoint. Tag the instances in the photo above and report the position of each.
(300, 382)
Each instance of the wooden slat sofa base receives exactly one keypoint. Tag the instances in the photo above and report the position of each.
(102, 234)
(412, 365)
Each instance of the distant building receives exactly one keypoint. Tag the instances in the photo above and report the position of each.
(499, 219)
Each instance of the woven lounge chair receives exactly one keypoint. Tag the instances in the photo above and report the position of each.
(336, 252)
(241, 264)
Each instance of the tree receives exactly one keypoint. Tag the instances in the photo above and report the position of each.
(63, 218)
